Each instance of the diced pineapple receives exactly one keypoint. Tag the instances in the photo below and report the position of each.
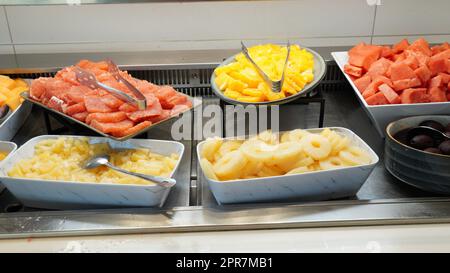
(231, 94)
(222, 81)
(20, 82)
(7, 82)
(236, 85)
(270, 58)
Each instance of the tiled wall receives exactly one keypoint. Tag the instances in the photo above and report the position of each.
(216, 24)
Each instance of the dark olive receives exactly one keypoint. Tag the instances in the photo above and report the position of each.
(445, 147)
(433, 150)
(402, 136)
(421, 142)
(433, 124)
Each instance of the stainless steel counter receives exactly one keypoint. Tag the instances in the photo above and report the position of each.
(191, 207)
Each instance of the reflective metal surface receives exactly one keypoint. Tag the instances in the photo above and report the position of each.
(191, 207)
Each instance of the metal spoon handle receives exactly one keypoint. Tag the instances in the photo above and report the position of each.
(162, 181)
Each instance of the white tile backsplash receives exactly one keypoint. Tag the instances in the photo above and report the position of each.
(6, 49)
(179, 45)
(413, 17)
(218, 24)
(191, 21)
(4, 32)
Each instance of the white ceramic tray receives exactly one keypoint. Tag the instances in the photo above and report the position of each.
(9, 147)
(382, 115)
(313, 186)
(14, 120)
(53, 194)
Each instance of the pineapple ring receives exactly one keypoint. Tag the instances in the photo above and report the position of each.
(295, 135)
(251, 168)
(229, 166)
(210, 147)
(302, 169)
(316, 146)
(208, 170)
(355, 156)
(338, 143)
(226, 147)
(267, 136)
(286, 152)
(258, 150)
(333, 162)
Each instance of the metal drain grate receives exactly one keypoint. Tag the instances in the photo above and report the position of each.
(194, 80)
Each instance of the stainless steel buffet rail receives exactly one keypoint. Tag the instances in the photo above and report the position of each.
(191, 207)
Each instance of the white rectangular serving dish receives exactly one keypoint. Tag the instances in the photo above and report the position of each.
(382, 115)
(14, 120)
(54, 194)
(313, 186)
(9, 147)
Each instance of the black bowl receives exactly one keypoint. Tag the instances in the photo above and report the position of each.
(423, 170)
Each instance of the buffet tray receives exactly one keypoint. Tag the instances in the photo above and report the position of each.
(26, 95)
(14, 120)
(191, 206)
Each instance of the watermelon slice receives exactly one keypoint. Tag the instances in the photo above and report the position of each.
(377, 99)
(114, 127)
(414, 95)
(389, 93)
(364, 56)
(400, 46)
(96, 105)
(362, 83)
(353, 70)
(437, 94)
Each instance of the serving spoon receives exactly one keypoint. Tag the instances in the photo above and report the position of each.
(103, 160)
(429, 131)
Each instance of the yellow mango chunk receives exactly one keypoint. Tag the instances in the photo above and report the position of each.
(20, 83)
(7, 82)
(270, 58)
(13, 102)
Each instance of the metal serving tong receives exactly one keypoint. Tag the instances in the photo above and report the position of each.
(88, 79)
(275, 86)
(114, 70)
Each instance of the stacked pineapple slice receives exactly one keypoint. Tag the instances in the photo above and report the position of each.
(266, 155)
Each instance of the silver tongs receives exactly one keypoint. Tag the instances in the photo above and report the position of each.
(114, 70)
(275, 86)
(88, 79)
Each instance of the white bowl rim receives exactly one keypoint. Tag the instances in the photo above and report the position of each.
(375, 161)
(22, 179)
(388, 133)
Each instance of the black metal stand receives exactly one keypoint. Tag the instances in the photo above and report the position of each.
(317, 98)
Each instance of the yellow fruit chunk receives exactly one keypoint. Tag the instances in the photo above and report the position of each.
(271, 59)
(232, 94)
(7, 82)
(262, 155)
(236, 85)
(13, 102)
(21, 83)
(222, 81)
(3, 99)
